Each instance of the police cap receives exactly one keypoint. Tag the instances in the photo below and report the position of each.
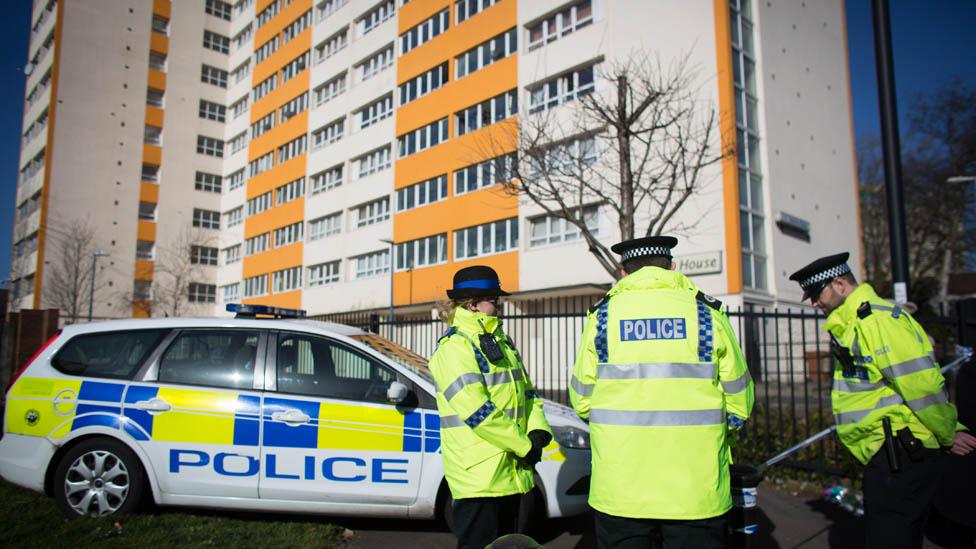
(818, 274)
(476, 281)
(651, 246)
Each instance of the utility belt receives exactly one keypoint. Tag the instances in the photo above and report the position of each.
(909, 443)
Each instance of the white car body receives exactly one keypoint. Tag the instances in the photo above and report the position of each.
(254, 446)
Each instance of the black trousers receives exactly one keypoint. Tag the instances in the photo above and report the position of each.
(897, 504)
(630, 533)
(480, 521)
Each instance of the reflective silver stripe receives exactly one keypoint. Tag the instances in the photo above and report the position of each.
(499, 378)
(657, 370)
(854, 417)
(732, 387)
(920, 404)
(912, 366)
(451, 421)
(510, 412)
(844, 386)
(657, 418)
(461, 382)
(584, 389)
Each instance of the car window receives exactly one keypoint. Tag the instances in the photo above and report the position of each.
(115, 355)
(401, 355)
(216, 358)
(317, 366)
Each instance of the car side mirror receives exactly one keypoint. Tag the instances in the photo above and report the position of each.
(397, 393)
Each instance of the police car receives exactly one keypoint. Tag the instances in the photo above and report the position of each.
(275, 414)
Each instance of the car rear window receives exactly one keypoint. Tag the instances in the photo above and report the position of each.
(115, 355)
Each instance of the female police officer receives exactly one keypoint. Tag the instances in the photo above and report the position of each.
(492, 426)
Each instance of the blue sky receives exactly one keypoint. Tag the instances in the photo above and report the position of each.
(934, 42)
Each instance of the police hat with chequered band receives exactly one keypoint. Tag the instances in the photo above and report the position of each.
(651, 246)
(818, 274)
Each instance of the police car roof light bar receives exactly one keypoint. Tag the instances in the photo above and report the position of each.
(252, 311)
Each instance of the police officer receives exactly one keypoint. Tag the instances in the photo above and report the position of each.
(889, 400)
(493, 430)
(662, 380)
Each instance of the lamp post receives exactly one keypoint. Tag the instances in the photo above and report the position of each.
(91, 289)
(390, 242)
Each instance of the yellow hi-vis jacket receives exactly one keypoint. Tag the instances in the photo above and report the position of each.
(895, 375)
(486, 410)
(661, 378)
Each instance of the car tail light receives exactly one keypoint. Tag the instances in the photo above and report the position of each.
(13, 378)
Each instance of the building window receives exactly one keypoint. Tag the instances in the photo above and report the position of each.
(234, 217)
(231, 293)
(420, 194)
(232, 254)
(375, 111)
(486, 113)
(421, 252)
(327, 179)
(145, 249)
(239, 108)
(255, 286)
(373, 264)
(325, 226)
(216, 42)
(294, 67)
(328, 134)
(206, 219)
(289, 234)
(160, 25)
(265, 87)
(157, 61)
(147, 211)
(201, 293)
(486, 53)
(268, 13)
(152, 135)
(257, 244)
(376, 63)
(242, 71)
(547, 229)
(242, 38)
(218, 8)
(150, 173)
(266, 123)
(373, 162)
(292, 149)
(207, 182)
(490, 238)
(567, 157)
(266, 49)
(422, 85)
(238, 143)
(213, 75)
(261, 164)
(374, 17)
(330, 89)
(323, 273)
(332, 45)
(154, 97)
(484, 174)
(326, 8)
(293, 107)
(286, 280)
(203, 255)
(297, 26)
(259, 203)
(290, 191)
(241, 6)
(466, 9)
(372, 212)
(210, 146)
(422, 138)
(752, 218)
(235, 180)
(212, 111)
(425, 31)
(560, 24)
(561, 89)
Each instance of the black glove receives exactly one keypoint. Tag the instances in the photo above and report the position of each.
(540, 439)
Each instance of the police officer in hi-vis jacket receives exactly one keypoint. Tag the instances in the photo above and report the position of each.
(492, 426)
(889, 400)
(662, 381)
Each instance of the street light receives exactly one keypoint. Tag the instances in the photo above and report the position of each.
(91, 290)
(390, 242)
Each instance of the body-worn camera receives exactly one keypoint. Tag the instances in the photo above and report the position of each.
(490, 348)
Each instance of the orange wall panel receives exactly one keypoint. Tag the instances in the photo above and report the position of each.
(277, 23)
(161, 8)
(277, 217)
(273, 260)
(730, 167)
(154, 117)
(144, 269)
(279, 175)
(149, 192)
(414, 13)
(282, 56)
(467, 210)
(461, 151)
(146, 230)
(278, 136)
(289, 300)
(152, 154)
(431, 283)
(157, 79)
(280, 95)
(159, 43)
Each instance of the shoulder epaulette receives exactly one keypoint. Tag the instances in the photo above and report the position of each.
(598, 303)
(864, 310)
(708, 300)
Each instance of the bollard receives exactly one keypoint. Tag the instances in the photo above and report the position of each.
(744, 517)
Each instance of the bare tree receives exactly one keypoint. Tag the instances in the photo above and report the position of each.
(68, 285)
(639, 142)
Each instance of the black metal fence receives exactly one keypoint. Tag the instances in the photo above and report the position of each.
(787, 352)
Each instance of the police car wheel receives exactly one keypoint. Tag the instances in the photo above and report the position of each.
(98, 477)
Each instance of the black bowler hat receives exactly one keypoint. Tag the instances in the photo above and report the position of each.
(818, 274)
(476, 281)
(651, 246)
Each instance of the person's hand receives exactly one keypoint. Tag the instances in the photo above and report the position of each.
(540, 439)
(965, 443)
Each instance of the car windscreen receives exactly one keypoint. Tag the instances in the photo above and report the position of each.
(401, 355)
(114, 355)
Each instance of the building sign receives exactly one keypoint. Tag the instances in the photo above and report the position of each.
(699, 264)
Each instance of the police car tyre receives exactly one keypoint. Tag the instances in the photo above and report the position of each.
(99, 477)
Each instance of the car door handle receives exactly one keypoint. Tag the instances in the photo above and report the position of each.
(153, 405)
(291, 417)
